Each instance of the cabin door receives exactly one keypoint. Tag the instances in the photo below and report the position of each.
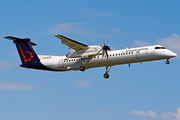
(61, 63)
(138, 54)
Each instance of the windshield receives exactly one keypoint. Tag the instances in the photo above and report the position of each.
(160, 48)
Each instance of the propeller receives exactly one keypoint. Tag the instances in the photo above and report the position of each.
(105, 49)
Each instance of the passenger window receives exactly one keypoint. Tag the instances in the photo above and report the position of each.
(119, 54)
(124, 53)
(116, 54)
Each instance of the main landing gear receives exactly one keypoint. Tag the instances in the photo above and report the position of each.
(82, 67)
(167, 62)
(106, 75)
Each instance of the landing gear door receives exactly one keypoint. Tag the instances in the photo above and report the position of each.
(61, 63)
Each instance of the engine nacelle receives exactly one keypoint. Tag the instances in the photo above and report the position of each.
(92, 51)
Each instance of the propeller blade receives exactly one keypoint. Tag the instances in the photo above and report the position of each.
(104, 41)
(107, 41)
(105, 48)
(107, 54)
(103, 53)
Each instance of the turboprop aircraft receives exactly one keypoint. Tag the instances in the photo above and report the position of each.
(84, 57)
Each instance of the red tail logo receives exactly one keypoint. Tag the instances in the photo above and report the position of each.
(25, 55)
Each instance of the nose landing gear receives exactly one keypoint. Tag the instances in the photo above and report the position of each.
(167, 62)
(106, 75)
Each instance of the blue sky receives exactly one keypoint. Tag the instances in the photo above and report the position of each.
(147, 91)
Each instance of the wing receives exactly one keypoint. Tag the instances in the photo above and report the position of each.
(72, 43)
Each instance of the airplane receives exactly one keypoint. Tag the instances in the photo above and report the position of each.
(83, 57)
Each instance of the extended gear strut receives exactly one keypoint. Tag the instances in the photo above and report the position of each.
(106, 75)
(82, 67)
(167, 62)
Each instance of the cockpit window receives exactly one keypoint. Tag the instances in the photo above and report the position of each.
(160, 48)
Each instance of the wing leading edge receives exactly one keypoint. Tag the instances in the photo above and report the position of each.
(72, 43)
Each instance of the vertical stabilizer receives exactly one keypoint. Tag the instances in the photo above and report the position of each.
(27, 54)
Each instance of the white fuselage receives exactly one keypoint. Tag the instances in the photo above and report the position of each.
(116, 57)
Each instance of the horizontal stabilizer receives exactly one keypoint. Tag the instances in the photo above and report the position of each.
(20, 40)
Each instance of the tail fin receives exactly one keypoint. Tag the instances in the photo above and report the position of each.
(26, 52)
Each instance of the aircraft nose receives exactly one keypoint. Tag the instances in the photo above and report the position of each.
(171, 54)
(174, 54)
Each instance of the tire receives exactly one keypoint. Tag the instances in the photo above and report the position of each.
(82, 68)
(106, 75)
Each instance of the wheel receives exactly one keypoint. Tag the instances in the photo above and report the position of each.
(167, 62)
(106, 75)
(82, 68)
